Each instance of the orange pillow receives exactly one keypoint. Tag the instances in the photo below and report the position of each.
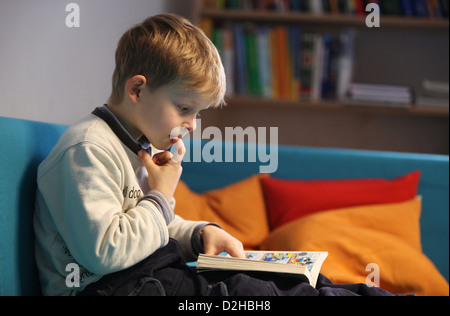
(239, 208)
(287, 200)
(387, 235)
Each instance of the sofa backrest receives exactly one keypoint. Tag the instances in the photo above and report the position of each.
(23, 145)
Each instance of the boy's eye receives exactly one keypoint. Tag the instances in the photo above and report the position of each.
(182, 108)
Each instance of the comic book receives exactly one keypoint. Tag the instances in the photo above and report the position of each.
(304, 264)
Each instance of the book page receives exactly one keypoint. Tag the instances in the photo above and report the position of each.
(306, 259)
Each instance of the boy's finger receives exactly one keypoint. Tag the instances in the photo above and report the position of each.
(162, 158)
(236, 253)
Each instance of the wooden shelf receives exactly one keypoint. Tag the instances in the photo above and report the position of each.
(324, 19)
(241, 102)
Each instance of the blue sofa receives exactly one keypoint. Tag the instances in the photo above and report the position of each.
(24, 144)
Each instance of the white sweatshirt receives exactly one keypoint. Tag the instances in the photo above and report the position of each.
(94, 209)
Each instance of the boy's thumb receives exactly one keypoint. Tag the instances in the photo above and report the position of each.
(180, 151)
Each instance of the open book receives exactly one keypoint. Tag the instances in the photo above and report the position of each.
(303, 264)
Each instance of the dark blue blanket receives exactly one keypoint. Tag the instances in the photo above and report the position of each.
(165, 273)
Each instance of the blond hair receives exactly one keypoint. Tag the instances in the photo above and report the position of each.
(169, 49)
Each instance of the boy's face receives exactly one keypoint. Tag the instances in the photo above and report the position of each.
(159, 112)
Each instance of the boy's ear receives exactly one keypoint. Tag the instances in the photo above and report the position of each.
(134, 87)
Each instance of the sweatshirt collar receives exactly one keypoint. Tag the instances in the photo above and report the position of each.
(134, 145)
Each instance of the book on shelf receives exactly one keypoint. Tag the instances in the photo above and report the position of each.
(304, 265)
(436, 88)
(347, 40)
(379, 94)
(407, 8)
(284, 62)
(426, 100)
(433, 93)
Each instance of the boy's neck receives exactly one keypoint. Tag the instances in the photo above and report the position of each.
(121, 112)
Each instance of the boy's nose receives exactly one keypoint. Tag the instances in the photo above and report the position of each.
(191, 125)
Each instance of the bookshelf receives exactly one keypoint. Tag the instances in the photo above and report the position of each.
(322, 19)
(252, 102)
(403, 51)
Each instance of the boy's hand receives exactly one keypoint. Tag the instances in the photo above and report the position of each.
(163, 172)
(216, 241)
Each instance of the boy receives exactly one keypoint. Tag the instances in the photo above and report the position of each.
(102, 202)
(104, 219)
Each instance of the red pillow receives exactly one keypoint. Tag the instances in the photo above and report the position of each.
(287, 200)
